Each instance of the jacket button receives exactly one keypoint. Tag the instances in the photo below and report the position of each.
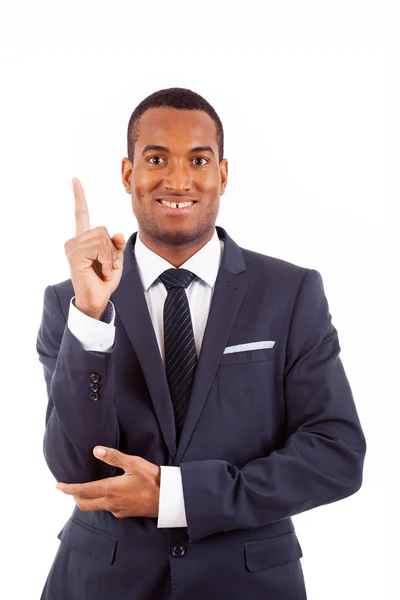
(93, 387)
(94, 377)
(93, 396)
(178, 550)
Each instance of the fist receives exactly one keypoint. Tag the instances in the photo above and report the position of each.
(95, 260)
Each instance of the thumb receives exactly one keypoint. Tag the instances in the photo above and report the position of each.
(119, 242)
(114, 457)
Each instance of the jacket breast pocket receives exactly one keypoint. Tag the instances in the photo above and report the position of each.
(247, 356)
(272, 552)
(88, 542)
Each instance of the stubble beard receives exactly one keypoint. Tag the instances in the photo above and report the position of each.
(179, 237)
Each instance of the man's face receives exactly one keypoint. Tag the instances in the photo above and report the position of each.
(177, 174)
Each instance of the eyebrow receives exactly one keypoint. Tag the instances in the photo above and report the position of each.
(165, 149)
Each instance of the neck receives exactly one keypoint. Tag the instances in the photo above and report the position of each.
(175, 255)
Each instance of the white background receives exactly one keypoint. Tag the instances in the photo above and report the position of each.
(308, 96)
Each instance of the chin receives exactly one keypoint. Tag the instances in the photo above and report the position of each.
(178, 236)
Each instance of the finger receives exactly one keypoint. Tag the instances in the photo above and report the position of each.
(119, 243)
(106, 257)
(82, 220)
(115, 458)
(86, 504)
(98, 250)
(108, 254)
(92, 489)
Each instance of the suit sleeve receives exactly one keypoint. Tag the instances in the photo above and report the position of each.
(75, 422)
(322, 459)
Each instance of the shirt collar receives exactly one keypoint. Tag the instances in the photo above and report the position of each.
(204, 263)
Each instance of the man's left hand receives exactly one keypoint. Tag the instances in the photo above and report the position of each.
(134, 494)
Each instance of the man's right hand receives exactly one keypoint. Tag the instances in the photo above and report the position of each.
(91, 256)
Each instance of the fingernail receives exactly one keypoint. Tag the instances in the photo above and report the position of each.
(117, 263)
(99, 451)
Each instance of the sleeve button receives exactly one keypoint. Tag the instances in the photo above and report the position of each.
(94, 377)
(93, 396)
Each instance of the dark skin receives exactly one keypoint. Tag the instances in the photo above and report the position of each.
(178, 174)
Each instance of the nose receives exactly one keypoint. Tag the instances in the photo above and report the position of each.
(178, 177)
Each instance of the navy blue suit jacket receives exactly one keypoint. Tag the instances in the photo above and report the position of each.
(269, 433)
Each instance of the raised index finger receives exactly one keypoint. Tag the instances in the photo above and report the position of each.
(81, 208)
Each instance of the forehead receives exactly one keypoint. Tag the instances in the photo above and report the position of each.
(170, 126)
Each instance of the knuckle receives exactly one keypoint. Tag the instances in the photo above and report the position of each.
(100, 248)
(113, 457)
(136, 462)
(71, 254)
(104, 245)
(67, 245)
(106, 491)
(104, 231)
(81, 211)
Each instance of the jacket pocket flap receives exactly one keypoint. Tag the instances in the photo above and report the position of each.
(272, 552)
(88, 541)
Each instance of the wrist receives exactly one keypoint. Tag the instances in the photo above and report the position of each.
(154, 500)
(94, 313)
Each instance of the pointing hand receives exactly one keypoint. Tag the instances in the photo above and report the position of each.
(92, 257)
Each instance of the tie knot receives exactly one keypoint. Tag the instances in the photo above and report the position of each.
(177, 278)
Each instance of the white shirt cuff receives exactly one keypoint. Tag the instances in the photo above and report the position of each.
(98, 336)
(171, 511)
(94, 335)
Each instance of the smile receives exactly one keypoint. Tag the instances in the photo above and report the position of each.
(176, 208)
(175, 204)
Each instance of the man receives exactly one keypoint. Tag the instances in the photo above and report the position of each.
(207, 373)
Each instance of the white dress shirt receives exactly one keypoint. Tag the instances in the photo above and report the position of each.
(98, 336)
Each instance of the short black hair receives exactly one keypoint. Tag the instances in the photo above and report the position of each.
(180, 98)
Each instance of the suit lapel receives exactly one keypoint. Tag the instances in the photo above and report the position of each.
(229, 291)
(131, 307)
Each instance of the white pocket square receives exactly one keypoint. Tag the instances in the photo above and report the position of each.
(250, 346)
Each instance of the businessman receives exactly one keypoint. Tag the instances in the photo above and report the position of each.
(196, 397)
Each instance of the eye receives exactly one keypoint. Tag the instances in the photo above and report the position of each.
(149, 159)
(201, 158)
(195, 158)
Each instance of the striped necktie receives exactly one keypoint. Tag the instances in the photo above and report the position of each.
(179, 344)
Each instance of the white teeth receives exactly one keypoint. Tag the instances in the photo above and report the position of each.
(175, 204)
